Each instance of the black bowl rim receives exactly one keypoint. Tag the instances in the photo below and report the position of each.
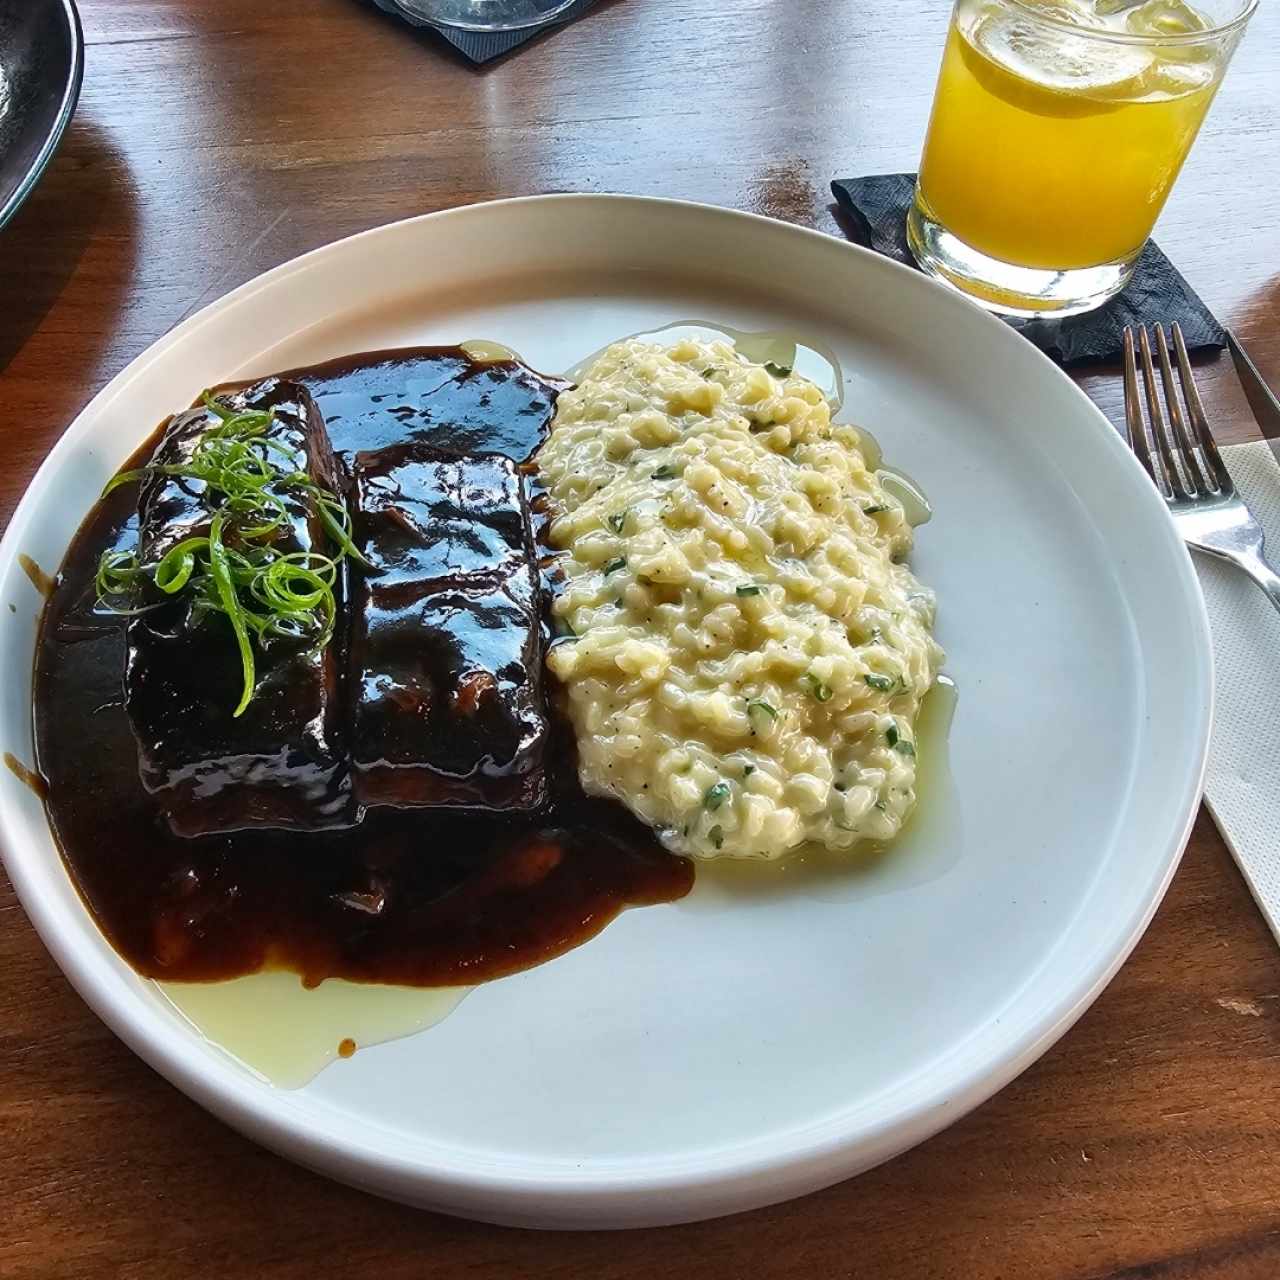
(67, 108)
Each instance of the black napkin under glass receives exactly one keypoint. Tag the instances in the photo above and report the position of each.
(484, 46)
(875, 210)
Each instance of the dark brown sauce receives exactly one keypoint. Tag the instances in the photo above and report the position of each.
(421, 898)
(431, 395)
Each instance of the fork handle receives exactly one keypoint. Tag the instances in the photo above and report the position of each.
(1263, 574)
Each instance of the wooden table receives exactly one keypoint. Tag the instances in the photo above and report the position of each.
(216, 139)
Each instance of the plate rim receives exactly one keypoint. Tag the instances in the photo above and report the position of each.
(62, 120)
(725, 1180)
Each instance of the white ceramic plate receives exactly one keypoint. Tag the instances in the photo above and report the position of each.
(736, 1048)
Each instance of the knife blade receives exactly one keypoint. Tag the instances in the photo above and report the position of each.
(1262, 400)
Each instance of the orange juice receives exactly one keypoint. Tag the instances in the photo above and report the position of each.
(1056, 150)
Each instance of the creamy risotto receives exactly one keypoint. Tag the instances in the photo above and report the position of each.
(744, 649)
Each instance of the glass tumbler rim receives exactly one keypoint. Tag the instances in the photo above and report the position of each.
(1180, 39)
(423, 10)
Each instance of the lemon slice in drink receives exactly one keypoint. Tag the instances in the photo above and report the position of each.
(1051, 71)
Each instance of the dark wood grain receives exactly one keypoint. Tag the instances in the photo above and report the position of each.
(219, 138)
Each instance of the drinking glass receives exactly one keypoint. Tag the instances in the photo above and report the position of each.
(1058, 128)
(485, 15)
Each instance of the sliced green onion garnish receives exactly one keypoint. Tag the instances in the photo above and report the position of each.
(337, 521)
(174, 570)
(250, 482)
(820, 691)
(220, 572)
(222, 411)
(120, 478)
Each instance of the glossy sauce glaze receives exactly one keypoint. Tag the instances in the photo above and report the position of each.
(440, 396)
(418, 898)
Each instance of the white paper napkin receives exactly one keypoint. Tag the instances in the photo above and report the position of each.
(1242, 786)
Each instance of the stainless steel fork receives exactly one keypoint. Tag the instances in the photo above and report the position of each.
(1178, 451)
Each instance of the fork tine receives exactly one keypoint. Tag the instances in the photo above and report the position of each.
(1139, 440)
(1210, 458)
(1170, 453)
(1193, 466)
(1171, 482)
(1132, 406)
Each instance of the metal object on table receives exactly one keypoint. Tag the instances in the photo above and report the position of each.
(1179, 454)
(40, 74)
(1262, 400)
